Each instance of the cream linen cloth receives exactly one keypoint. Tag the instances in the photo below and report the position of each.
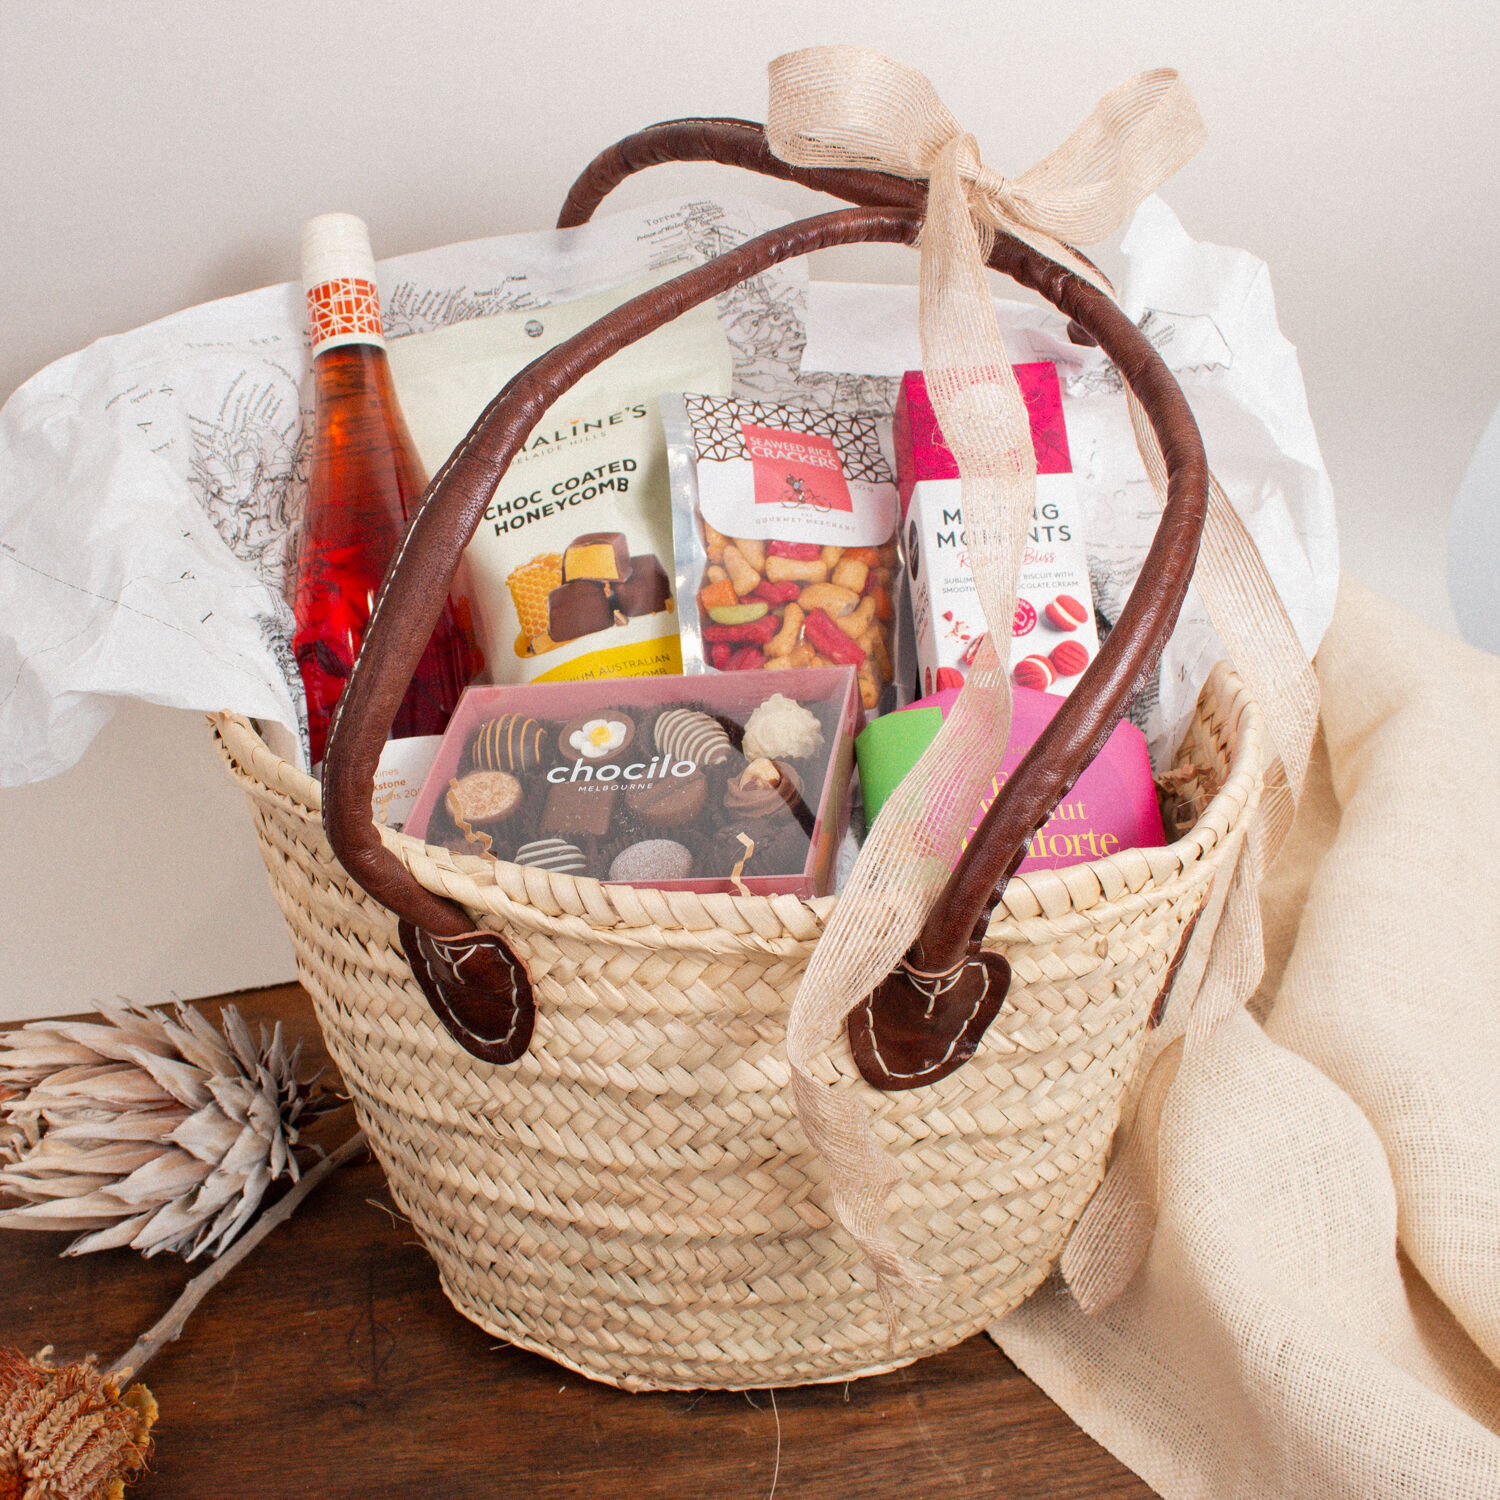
(1319, 1310)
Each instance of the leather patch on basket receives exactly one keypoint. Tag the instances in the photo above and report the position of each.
(479, 989)
(916, 1028)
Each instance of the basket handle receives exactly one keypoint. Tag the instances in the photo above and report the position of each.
(927, 1018)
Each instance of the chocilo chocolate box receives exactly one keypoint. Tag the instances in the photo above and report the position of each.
(704, 783)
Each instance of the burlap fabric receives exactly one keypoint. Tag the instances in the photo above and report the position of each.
(1318, 1314)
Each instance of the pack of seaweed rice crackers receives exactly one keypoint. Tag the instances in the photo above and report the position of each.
(785, 520)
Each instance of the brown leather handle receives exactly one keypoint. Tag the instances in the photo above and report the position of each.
(420, 576)
(928, 1017)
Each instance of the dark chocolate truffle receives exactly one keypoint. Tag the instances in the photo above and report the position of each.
(578, 607)
(669, 801)
(511, 742)
(601, 735)
(578, 809)
(647, 590)
(780, 848)
(762, 788)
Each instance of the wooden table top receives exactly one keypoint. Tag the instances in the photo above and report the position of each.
(330, 1364)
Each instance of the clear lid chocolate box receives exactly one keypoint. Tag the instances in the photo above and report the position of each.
(735, 783)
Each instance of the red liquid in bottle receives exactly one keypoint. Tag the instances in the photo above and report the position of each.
(364, 481)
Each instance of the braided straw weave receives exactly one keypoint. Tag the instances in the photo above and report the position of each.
(633, 1198)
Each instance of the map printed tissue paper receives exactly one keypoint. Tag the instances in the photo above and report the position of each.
(151, 484)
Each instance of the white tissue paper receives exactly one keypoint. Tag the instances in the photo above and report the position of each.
(151, 484)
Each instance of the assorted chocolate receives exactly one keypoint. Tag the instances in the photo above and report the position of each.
(511, 742)
(557, 855)
(483, 799)
(763, 789)
(597, 736)
(690, 734)
(780, 727)
(668, 803)
(651, 793)
(645, 588)
(652, 862)
(592, 584)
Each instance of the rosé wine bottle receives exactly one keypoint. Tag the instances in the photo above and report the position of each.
(364, 482)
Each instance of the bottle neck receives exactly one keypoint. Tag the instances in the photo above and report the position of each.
(344, 310)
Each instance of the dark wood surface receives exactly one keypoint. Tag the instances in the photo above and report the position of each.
(329, 1364)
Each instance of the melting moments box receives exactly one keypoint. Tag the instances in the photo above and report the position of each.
(1053, 634)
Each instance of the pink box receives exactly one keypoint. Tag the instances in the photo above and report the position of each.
(1053, 633)
(637, 775)
(1112, 805)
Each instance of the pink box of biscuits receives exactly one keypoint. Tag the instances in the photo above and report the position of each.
(715, 783)
(1053, 635)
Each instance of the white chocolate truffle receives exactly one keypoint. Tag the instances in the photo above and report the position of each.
(687, 734)
(780, 729)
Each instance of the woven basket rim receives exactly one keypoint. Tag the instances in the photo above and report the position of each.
(784, 923)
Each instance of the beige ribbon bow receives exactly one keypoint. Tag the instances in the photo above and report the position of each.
(848, 107)
(853, 108)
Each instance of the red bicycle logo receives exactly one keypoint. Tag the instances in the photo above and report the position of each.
(796, 496)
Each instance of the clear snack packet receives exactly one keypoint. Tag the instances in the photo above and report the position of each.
(785, 526)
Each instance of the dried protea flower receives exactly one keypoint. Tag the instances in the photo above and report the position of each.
(69, 1433)
(150, 1128)
(11, 1138)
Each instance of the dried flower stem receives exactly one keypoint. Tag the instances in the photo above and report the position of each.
(170, 1324)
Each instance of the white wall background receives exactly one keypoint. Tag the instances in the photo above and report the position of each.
(160, 153)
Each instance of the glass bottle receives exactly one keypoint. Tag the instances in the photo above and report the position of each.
(364, 480)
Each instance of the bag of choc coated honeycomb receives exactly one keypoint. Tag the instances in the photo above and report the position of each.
(570, 567)
(785, 522)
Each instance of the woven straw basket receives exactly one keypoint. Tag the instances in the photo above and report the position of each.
(634, 1198)
(580, 1092)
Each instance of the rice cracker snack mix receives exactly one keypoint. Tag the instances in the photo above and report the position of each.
(785, 523)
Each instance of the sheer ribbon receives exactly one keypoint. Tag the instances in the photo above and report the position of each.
(847, 107)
